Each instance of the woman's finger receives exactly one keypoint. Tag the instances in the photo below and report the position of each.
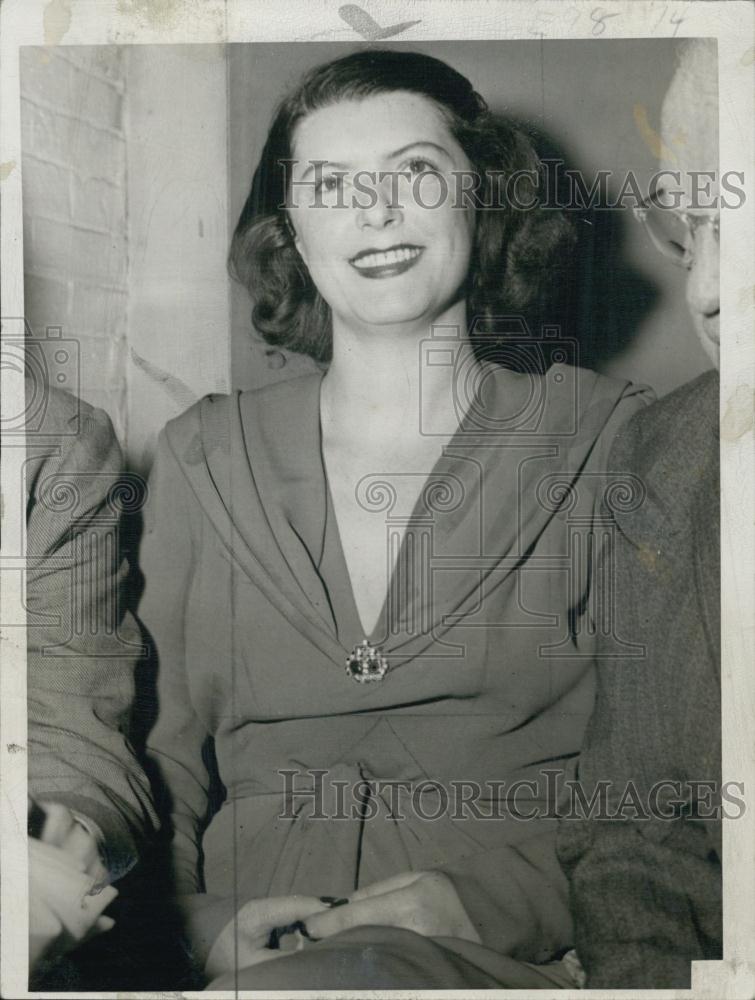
(243, 940)
(385, 885)
(427, 905)
(260, 916)
(386, 909)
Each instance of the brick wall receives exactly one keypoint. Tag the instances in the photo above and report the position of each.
(178, 309)
(75, 210)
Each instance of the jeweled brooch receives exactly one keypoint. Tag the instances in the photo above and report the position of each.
(366, 663)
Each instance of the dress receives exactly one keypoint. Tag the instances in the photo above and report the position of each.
(646, 892)
(249, 604)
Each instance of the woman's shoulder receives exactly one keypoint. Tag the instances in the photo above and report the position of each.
(567, 399)
(603, 404)
(589, 387)
(214, 418)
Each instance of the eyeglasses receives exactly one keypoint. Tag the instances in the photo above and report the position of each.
(671, 230)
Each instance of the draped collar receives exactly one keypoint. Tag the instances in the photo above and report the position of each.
(262, 483)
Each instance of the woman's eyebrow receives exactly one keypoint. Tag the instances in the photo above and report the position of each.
(322, 164)
(391, 156)
(419, 142)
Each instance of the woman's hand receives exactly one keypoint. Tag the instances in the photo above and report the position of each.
(424, 902)
(243, 940)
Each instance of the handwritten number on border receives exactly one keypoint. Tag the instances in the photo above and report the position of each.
(600, 16)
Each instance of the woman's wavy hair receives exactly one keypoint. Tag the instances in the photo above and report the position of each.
(513, 247)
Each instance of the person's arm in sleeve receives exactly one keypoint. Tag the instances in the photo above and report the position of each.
(175, 744)
(642, 886)
(517, 898)
(604, 492)
(82, 647)
(639, 885)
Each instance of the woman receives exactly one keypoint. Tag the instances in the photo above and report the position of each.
(359, 582)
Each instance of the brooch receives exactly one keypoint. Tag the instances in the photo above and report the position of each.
(366, 663)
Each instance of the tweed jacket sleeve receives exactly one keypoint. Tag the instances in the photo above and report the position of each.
(82, 647)
(645, 867)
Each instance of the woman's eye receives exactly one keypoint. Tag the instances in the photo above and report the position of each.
(330, 183)
(420, 166)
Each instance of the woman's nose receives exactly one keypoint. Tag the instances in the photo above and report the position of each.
(383, 208)
(703, 281)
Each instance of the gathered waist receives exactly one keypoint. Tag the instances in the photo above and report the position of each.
(354, 791)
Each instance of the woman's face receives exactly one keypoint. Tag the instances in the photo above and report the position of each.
(375, 221)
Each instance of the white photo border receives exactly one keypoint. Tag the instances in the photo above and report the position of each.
(137, 22)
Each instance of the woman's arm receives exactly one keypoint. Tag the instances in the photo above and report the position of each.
(174, 745)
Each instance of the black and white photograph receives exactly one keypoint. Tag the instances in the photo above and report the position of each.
(378, 561)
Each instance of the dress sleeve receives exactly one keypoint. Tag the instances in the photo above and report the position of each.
(517, 898)
(82, 647)
(599, 490)
(175, 744)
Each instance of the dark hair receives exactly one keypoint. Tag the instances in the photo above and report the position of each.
(512, 246)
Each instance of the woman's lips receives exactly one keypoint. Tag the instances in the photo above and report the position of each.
(386, 263)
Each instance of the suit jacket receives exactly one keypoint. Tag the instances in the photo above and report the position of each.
(646, 893)
(81, 646)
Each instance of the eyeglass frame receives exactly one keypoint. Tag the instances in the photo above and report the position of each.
(691, 222)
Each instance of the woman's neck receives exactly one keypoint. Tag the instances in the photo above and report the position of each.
(379, 383)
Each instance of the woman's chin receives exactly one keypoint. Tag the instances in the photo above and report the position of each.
(393, 318)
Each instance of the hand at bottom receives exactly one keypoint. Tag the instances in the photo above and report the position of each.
(65, 903)
(243, 941)
(424, 902)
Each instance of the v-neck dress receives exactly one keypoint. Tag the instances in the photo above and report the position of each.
(453, 761)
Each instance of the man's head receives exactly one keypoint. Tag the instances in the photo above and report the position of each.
(689, 134)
